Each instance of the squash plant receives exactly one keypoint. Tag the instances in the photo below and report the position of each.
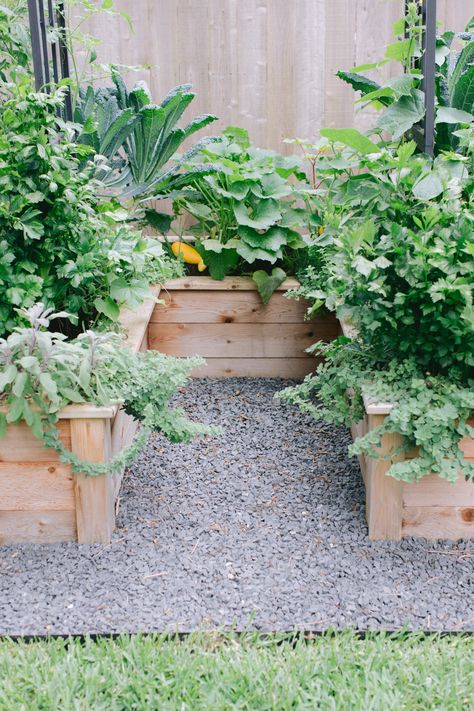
(249, 209)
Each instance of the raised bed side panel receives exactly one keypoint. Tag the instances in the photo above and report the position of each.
(37, 498)
(431, 508)
(227, 323)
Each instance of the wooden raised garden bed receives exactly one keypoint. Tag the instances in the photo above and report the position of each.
(430, 508)
(227, 323)
(41, 500)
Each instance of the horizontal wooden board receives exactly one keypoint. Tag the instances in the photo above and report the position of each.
(20, 445)
(37, 527)
(434, 491)
(224, 307)
(233, 340)
(256, 368)
(438, 522)
(206, 283)
(36, 486)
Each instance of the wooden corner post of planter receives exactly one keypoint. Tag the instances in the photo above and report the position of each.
(384, 494)
(95, 495)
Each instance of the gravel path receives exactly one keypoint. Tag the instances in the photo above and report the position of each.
(261, 527)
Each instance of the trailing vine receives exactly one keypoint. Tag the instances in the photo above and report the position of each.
(431, 413)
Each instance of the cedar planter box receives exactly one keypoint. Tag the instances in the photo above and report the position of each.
(227, 323)
(41, 500)
(430, 508)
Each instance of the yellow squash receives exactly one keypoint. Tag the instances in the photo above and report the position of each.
(188, 254)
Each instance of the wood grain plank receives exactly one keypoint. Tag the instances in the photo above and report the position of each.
(237, 340)
(95, 496)
(438, 522)
(37, 527)
(36, 486)
(20, 445)
(383, 492)
(224, 307)
(434, 491)
(206, 283)
(287, 368)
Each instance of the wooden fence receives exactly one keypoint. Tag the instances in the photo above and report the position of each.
(267, 65)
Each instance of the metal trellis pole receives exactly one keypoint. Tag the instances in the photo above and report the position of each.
(424, 133)
(49, 53)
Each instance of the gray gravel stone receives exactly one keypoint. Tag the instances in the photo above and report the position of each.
(261, 527)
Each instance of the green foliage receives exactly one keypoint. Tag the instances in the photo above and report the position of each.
(41, 372)
(246, 204)
(14, 45)
(399, 254)
(396, 260)
(400, 98)
(136, 137)
(60, 244)
(430, 412)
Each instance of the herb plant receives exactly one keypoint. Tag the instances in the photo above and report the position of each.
(60, 244)
(397, 262)
(41, 372)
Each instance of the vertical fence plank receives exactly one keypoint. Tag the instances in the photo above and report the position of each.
(267, 65)
(339, 54)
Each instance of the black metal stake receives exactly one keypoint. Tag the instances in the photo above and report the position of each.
(46, 52)
(424, 133)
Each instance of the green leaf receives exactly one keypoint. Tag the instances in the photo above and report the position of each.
(15, 411)
(108, 307)
(268, 283)
(402, 115)
(428, 187)
(8, 376)
(251, 254)
(446, 114)
(160, 221)
(18, 388)
(351, 137)
(266, 214)
(3, 425)
(271, 240)
(359, 82)
(219, 263)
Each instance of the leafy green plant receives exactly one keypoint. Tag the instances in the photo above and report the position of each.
(400, 98)
(400, 255)
(396, 260)
(247, 206)
(136, 137)
(41, 372)
(60, 244)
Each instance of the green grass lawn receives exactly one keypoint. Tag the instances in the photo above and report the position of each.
(227, 672)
